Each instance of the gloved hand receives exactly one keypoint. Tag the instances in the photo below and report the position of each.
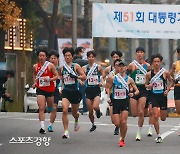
(73, 76)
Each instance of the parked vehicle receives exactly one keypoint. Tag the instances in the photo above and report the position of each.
(30, 101)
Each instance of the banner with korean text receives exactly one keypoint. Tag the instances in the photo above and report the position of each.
(136, 21)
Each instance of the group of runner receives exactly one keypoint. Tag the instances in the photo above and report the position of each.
(136, 86)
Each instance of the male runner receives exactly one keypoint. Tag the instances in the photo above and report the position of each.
(116, 54)
(44, 75)
(54, 59)
(138, 69)
(93, 83)
(119, 85)
(156, 80)
(70, 73)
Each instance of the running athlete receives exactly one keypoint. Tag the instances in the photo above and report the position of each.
(44, 75)
(119, 85)
(156, 80)
(93, 83)
(54, 59)
(138, 69)
(70, 73)
(110, 70)
(148, 111)
(175, 72)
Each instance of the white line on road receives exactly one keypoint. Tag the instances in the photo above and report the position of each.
(164, 135)
(1, 144)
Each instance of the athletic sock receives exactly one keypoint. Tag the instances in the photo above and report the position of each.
(42, 124)
(139, 129)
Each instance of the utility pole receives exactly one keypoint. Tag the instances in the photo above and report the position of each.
(74, 23)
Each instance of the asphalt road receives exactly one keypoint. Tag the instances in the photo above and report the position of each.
(19, 135)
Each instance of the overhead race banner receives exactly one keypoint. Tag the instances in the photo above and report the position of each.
(81, 42)
(136, 21)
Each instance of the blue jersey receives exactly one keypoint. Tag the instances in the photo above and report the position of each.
(94, 79)
(119, 91)
(69, 83)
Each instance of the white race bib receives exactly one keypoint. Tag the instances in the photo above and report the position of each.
(42, 83)
(93, 80)
(119, 93)
(68, 80)
(158, 85)
(140, 79)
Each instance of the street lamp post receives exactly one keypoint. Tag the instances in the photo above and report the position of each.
(74, 23)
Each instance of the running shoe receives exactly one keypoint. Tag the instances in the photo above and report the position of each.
(42, 131)
(121, 143)
(116, 131)
(93, 128)
(98, 114)
(50, 129)
(138, 137)
(159, 140)
(65, 135)
(76, 126)
(149, 133)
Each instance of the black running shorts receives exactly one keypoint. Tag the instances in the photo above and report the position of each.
(57, 96)
(74, 96)
(159, 100)
(177, 93)
(44, 93)
(92, 92)
(120, 105)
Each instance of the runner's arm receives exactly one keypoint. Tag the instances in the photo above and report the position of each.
(132, 83)
(147, 84)
(172, 70)
(80, 71)
(170, 79)
(55, 73)
(34, 75)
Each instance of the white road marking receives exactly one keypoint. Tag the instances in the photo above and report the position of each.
(164, 135)
(1, 144)
(174, 129)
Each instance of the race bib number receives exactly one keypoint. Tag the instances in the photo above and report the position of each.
(119, 93)
(43, 83)
(140, 79)
(158, 85)
(93, 80)
(68, 80)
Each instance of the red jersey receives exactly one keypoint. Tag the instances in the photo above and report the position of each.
(45, 86)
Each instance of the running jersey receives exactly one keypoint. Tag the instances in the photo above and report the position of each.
(45, 86)
(138, 76)
(69, 83)
(177, 71)
(160, 85)
(119, 91)
(94, 79)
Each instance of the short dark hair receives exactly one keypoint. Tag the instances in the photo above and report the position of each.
(42, 50)
(140, 49)
(71, 50)
(53, 52)
(178, 50)
(78, 50)
(10, 72)
(117, 52)
(91, 52)
(117, 60)
(156, 56)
